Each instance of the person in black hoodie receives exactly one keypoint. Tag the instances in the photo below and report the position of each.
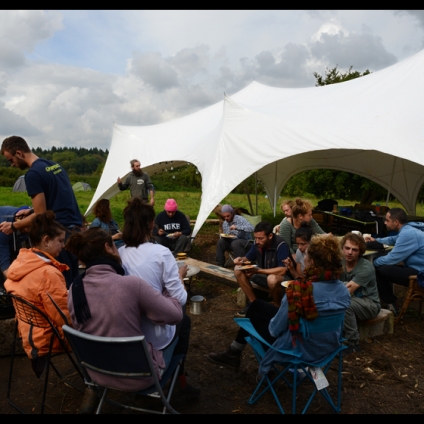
(172, 229)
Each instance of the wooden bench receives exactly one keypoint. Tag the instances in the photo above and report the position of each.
(382, 324)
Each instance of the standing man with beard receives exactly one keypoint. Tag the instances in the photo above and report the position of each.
(50, 189)
(138, 182)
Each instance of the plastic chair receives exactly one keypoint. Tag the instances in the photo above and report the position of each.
(295, 366)
(415, 292)
(30, 314)
(122, 357)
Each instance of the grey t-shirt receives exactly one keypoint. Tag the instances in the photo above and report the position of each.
(363, 274)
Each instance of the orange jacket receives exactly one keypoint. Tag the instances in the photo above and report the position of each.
(31, 277)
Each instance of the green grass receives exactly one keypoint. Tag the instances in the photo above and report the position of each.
(188, 203)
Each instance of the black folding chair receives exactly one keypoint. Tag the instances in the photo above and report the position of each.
(122, 358)
(30, 314)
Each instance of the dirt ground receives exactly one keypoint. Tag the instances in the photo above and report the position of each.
(386, 377)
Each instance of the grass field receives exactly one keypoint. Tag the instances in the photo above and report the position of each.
(188, 203)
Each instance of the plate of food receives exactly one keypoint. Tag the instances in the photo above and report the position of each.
(227, 235)
(170, 235)
(245, 267)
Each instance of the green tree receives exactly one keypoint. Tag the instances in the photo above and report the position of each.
(334, 76)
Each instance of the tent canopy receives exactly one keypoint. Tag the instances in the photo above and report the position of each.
(20, 185)
(372, 126)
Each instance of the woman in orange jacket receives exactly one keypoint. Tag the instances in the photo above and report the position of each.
(35, 273)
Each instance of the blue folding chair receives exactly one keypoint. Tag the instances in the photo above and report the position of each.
(295, 365)
(122, 358)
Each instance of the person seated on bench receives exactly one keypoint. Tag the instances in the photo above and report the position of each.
(236, 226)
(408, 248)
(359, 277)
(286, 208)
(269, 251)
(302, 211)
(172, 222)
(323, 289)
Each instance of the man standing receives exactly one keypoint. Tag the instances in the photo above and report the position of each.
(138, 182)
(269, 251)
(408, 248)
(172, 228)
(238, 233)
(50, 189)
(359, 277)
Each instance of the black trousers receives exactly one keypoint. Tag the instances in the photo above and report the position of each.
(260, 314)
(392, 274)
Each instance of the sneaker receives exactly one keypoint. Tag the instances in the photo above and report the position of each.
(392, 307)
(351, 349)
(243, 312)
(228, 358)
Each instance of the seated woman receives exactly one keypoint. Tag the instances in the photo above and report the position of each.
(105, 302)
(157, 266)
(31, 276)
(302, 211)
(303, 237)
(323, 267)
(105, 221)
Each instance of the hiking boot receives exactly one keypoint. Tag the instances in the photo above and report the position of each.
(228, 358)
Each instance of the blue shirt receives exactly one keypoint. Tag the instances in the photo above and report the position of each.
(50, 178)
(408, 247)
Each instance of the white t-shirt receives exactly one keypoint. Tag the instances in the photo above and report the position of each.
(156, 265)
(300, 258)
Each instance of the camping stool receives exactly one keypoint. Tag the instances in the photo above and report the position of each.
(415, 292)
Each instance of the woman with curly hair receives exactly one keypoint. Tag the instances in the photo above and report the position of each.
(322, 294)
(105, 221)
(301, 212)
(33, 274)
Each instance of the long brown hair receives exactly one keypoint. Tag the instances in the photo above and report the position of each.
(102, 210)
(138, 220)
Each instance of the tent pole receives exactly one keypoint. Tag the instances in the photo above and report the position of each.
(390, 185)
(256, 192)
(275, 189)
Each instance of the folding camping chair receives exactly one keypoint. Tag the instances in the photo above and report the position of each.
(295, 365)
(30, 314)
(122, 357)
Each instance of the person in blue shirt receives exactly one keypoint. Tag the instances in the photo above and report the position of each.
(49, 187)
(408, 248)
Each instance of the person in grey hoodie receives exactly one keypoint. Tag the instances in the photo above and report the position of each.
(408, 248)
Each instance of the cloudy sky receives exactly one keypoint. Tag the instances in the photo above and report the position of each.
(67, 76)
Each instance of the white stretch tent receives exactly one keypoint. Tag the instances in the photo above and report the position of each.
(372, 126)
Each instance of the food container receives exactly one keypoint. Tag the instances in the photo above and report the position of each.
(196, 304)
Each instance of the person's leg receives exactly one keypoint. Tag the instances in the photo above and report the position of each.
(238, 247)
(222, 245)
(245, 285)
(359, 309)
(392, 274)
(180, 244)
(276, 290)
(260, 314)
(163, 241)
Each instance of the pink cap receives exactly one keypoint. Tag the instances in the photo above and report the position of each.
(171, 205)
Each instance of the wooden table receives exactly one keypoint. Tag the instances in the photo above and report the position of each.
(346, 224)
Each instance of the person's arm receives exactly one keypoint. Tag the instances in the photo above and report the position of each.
(316, 229)
(95, 223)
(404, 247)
(242, 224)
(172, 279)
(286, 230)
(282, 256)
(123, 185)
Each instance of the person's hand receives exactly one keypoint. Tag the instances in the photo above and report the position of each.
(251, 271)
(117, 236)
(233, 227)
(6, 227)
(161, 232)
(177, 234)
(182, 271)
(238, 261)
(152, 201)
(23, 213)
(119, 180)
(288, 263)
(276, 229)
(369, 238)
